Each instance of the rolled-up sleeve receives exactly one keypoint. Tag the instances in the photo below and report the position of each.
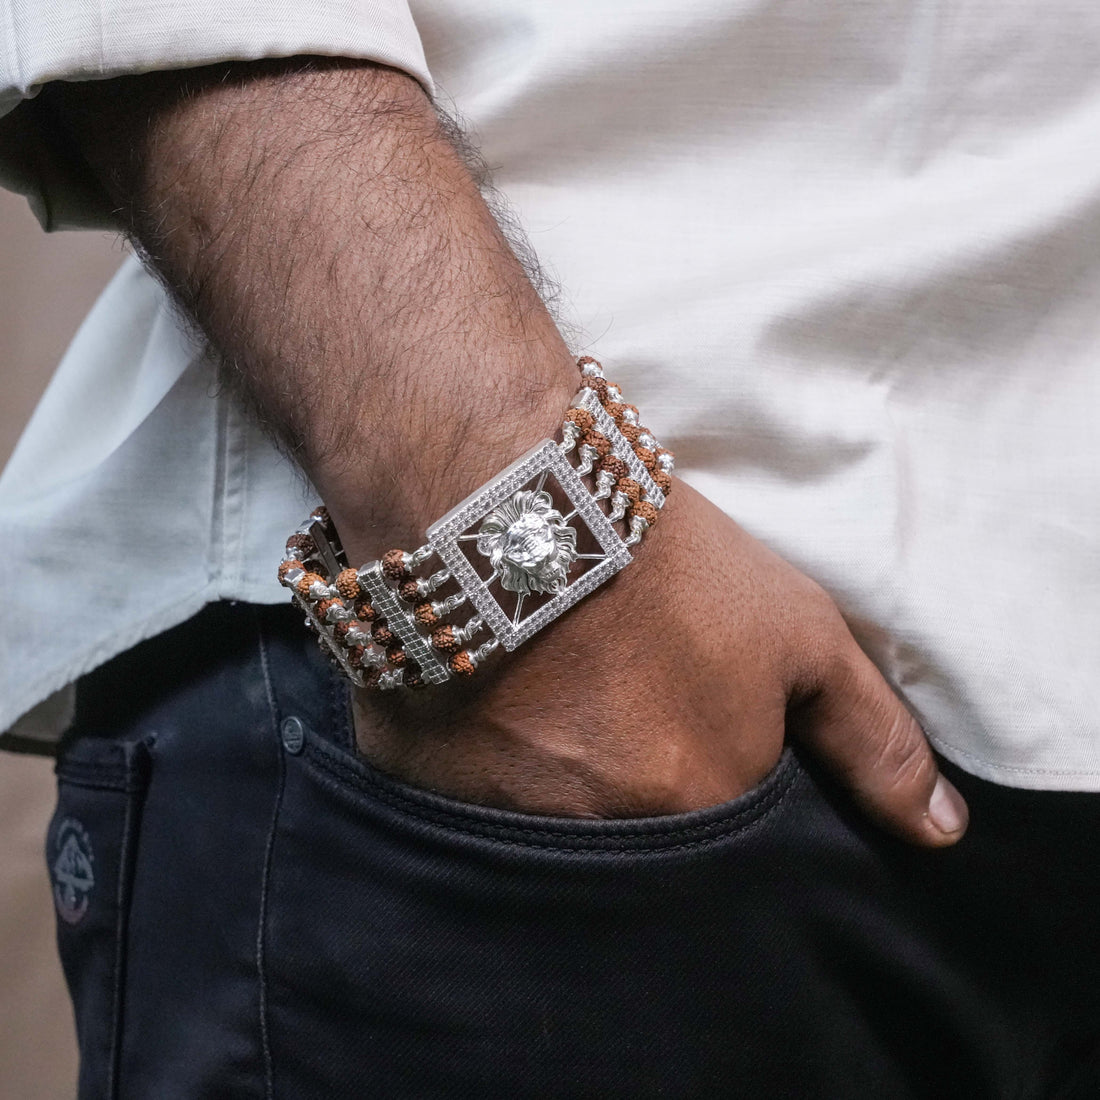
(47, 40)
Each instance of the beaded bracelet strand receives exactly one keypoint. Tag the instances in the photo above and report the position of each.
(380, 624)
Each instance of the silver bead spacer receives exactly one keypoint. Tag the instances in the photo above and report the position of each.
(638, 527)
(357, 636)
(390, 679)
(630, 417)
(570, 433)
(443, 608)
(338, 615)
(605, 482)
(478, 655)
(587, 456)
(464, 633)
(418, 557)
(648, 440)
(291, 577)
(619, 504)
(318, 590)
(666, 462)
(592, 370)
(614, 393)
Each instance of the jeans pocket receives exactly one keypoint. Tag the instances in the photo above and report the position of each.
(419, 946)
(90, 850)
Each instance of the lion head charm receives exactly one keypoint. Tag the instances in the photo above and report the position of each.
(528, 543)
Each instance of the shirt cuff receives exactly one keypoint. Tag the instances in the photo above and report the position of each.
(46, 40)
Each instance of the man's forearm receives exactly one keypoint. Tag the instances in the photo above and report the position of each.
(320, 226)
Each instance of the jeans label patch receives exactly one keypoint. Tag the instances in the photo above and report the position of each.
(73, 878)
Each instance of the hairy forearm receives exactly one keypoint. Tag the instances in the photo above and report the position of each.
(318, 224)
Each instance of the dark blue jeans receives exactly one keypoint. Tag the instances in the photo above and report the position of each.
(247, 909)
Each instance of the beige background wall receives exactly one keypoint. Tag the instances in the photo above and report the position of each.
(47, 284)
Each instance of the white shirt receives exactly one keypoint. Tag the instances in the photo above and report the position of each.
(846, 257)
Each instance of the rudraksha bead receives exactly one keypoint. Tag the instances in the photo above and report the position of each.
(382, 634)
(396, 656)
(425, 616)
(629, 488)
(460, 663)
(663, 481)
(372, 676)
(365, 612)
(393, 565)
(614, 409)
(648, 457)
(444, 639)
(305, 583)
(646, 510)
(304, 544)
(409, 589)
(414, 676)
(325, 606)
(630, 433)
(355, 656)
(597, 384)
(597, 441)
(581, 417)
(320, 513)
(286, 566)
(347, 584)
(340, 630)
(614, 465)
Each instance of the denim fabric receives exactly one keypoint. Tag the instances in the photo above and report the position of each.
(247, 909)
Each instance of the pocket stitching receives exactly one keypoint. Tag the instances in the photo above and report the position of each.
(781, 782)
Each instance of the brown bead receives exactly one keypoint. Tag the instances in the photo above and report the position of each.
(630, 433)
(614, 409)
(649, 459)
(320, 513)
(645, 510)
(425, 616)
(613, 465)
(303, 544)
(393, 565)
(444, 639)
(414, 676)
(581, 417)
(372, 676)
(396, 656)
(663, 481)
(460, 663)
(409, 590)
(340, 630)
(286, 566)
(664, 451)
(355, 656)
(382, 634)
(586, 361)
(597, 384)
(365, 612)
(347, 584)
(325, 606)
(597, 441)
(629, 488)
(305, 583)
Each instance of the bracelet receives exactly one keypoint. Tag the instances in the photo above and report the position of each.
(513, 556)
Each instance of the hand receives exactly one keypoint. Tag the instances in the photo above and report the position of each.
(670, 689)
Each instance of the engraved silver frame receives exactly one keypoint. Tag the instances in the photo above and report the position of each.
(443, 539)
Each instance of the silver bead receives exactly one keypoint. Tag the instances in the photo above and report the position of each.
(443, 608)
(587, 455)
(337, 614)
(357, 636)
(421, 555)
(619, 504)
(292, 576)
(318, 590)
(570, 433)
(630, 417)
(592, 370)
(391, 679)
(614, 393)
(638, 527)
(605, 482)
(647, 440)
(666, 462)
(463, 634)
(478, 655)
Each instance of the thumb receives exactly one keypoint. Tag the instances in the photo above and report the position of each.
(860, 729)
